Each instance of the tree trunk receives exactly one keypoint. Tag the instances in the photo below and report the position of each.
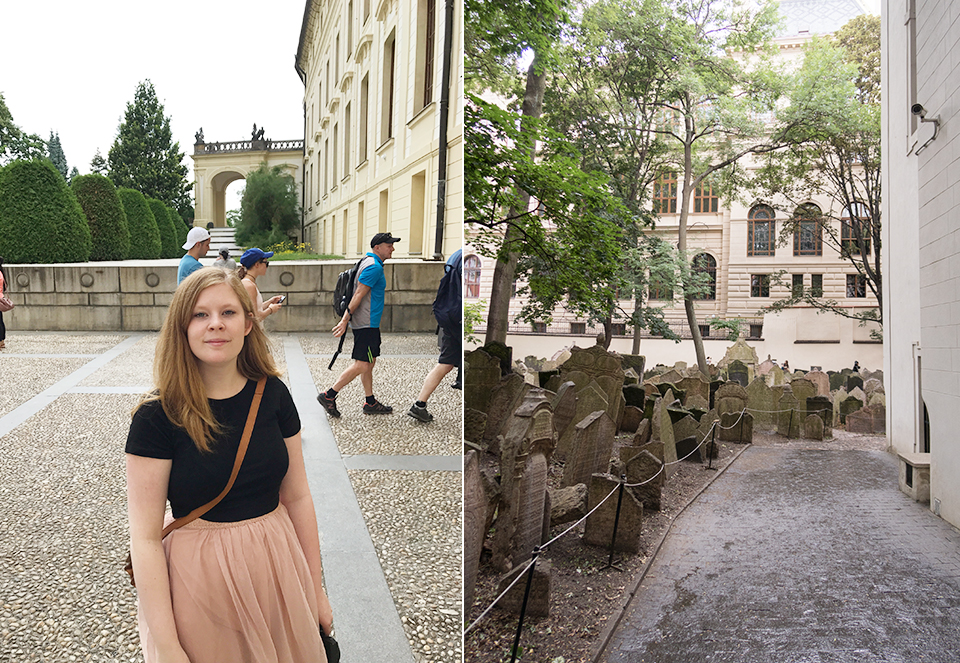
(498, 314)
(687, 190)
(635, 348)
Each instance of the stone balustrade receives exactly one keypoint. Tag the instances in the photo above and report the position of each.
(135, 295)
(248, 146)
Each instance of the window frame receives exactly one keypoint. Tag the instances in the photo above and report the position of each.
(810, 222)
(858, 285)
(754, 221)
(666, 183)
(472, 269)
(760, 285)
(709, 269)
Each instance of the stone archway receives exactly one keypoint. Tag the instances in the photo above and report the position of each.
(217, 165)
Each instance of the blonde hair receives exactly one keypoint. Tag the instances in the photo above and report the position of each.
(176, 369)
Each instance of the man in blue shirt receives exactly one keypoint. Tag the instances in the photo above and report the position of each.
(197, 245)
(363, 317)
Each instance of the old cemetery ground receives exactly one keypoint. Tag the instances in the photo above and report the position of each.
(547, 441)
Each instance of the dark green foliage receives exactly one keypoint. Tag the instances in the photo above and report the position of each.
(269, 209)
(144, 234)
(56, 155)
(180, 227)
(168, 236)
(144, 155)
(40, 219)
(105, 216)
(98, 164)
(14, 143)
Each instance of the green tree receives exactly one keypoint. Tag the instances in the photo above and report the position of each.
(73, 173)
(40, 219)
(14, 143)
(169, 246)
(269, 209)
(144, 233)
(836, 111)
(98, 164)
(108, 223)
(144, 156)
(180, 228)
(56, 155)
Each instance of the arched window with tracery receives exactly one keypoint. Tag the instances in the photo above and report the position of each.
(761, 240)
(704, 263)
(808, 233)
(471, 277)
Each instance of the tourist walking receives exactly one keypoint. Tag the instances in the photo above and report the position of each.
(253, 264)
(3, 289)
(244, 583)
(224, 261)
(196, 246)
(448, 309)
(363, 317)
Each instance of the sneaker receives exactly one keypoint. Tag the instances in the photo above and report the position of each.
(457, 385)
(329, 404)
(377, 408)
(419, 413)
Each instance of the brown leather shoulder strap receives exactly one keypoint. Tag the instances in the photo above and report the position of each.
(241, 452)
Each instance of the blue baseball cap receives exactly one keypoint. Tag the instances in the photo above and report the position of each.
(252, 256)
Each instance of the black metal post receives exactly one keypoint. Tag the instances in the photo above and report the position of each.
(616, 524)
(790, 427)
(523, 606)
(713, 447)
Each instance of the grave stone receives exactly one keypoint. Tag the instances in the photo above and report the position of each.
(544, 377)
(591, 450)
(538, 601)
(837, 380)
(668, 439)
(672, 376)
(775, 378)
(564, 406)
(632, 416)
(599, 526)
(731, 397)
(813, 427)
(474, 520)
(821, 380)
(602, 366)
(762, 404)
(642, 435)
(714, 386)
(505, 397)
(871, 387)
(858, 394)
(822, 406)
(698, 402)
(642, 467)
(553, 384)
(630, 377)
(802, 390)
(878, 398)
(689, 450)
(503, 353)
(634, 395)
(705, 433)
(695, 386)
(680, 366)
(869, 420)
(735, 427)
(849, 405)
(474, 423)
(838, 397)
(788, 419)
(765, 366)
(612, 388)
(854, 381)
(589, 400)
(686, 427)
(567, 505)
(482, 374)
(738, 372)
(530, 508)
(635, 362)
(739, 351)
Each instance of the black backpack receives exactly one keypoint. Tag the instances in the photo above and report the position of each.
(448, 306)
(343, 291)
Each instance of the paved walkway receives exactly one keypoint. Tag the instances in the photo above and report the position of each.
(387, 490)
(800, 556)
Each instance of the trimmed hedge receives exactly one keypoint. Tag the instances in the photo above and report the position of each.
(144, 233)
(40, 218)
(168, 237)
(108, 223)
(181, 229)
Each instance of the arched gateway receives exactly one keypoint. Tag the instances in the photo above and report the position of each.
(216, 165)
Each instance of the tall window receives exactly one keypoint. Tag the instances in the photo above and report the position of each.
(336, 153)
(471, 276)
(759, 285)
(807, 238)
(704, 199)
(364, 111)
(346, 140)
(856, 285)
(816, 285)
(797, 286)
(426, 33)
(386, 119)
(855, 229)
(760, 231)
(326, 165)
(336, 61)
(660, 288)
(326, 99)
(349, 52)
(665, 194)
(704, 263)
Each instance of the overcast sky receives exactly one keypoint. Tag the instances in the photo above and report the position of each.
(72, 67)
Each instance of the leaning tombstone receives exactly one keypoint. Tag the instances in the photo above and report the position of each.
(788, 421)
(589, 400)
(644, 471)
(813, 427)
(736, 427)
(642, 436)
(564, 406)
(762, 405)
(482, 374)
(568, 504)
(853, 382)
(849, 405)
(802, 390)
(600, 524)
(474, 518)
(591, 449)
(538, 600)
(738, 372)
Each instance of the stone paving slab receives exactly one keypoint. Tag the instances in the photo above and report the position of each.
(800, 555)
(22, 378)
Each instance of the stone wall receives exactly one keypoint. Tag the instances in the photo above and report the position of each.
(134, 295)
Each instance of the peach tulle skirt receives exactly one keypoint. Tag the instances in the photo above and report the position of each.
(242, 592)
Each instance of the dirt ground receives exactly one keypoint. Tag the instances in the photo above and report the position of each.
(585, 594)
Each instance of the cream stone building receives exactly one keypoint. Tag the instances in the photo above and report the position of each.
(383, 123)
(921, 185)
(737, 245)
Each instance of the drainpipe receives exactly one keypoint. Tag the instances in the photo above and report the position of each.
(444, 115)
(303, 184)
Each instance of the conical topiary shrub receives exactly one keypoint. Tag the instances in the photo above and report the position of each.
(144, 233)
(108, 223)
(168, 237)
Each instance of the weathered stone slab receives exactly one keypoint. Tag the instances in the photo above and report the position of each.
(564, 406)
(642, 467)
(822, 406)
(474, 520)
(538, 601)
(788, 420)
(505, 397)
(530, 509)
(482, 374)
(636, 362)
(821, 380)
(589, 400)
(813, 427)
(736, 427)
(474, 423)
(695, 386)
(708, 434)
(739, 351)
(775, 377)
(568, 504)
(849, 405)
(838, 397)
(634, 395)
(667, 438)
(591, 450)
(686, 427)
(802, 390)
(762, 404)
(738, 372)
(598, 530)
(854, 382)
(632, 417)
(642, 436)
(870, 420)
(689, 450)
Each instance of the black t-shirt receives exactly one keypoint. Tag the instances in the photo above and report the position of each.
(197, 478)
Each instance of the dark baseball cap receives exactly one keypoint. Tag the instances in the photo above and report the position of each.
(380, 238)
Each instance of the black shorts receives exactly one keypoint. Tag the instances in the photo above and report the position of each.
(366, 344)
(451, 349)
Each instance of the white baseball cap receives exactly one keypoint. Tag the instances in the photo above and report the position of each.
(195, 236)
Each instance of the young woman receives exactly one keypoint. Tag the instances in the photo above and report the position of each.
(253, 264)
(244, 582)
(3, 289)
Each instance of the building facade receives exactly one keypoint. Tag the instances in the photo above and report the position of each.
(921, 184)
(737, 245)
(383, 125)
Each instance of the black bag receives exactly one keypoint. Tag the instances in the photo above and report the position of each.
(346, 285)
(448, 306)
(330, 647)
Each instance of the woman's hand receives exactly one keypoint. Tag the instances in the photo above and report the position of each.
(326, 612)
